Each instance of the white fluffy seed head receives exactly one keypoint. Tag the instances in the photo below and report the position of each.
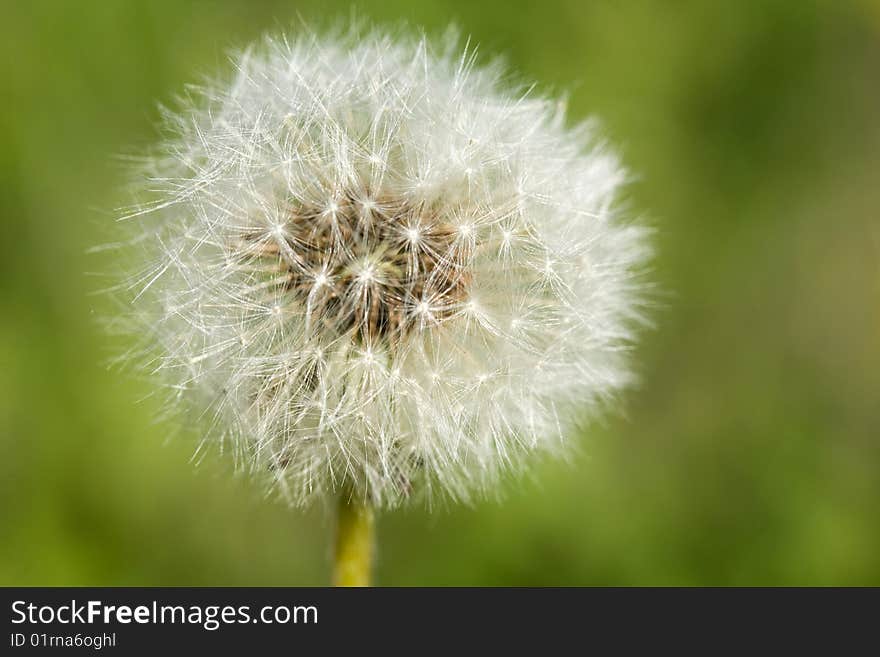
(373, 267)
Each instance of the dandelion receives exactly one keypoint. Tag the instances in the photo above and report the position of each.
(380, 274)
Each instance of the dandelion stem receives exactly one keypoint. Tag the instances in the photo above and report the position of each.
(354, 542)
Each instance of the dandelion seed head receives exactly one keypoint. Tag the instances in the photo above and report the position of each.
(371, 264)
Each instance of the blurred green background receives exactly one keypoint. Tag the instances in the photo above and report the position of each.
(749, 455)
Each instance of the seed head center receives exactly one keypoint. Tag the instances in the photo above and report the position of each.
(367, 268)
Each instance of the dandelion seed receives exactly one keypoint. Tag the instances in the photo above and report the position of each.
(342, 232)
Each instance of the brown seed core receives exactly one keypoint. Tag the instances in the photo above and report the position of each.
(374, 269)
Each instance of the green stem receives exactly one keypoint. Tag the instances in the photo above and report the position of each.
(355, 531)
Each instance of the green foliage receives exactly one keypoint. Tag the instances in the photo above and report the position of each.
(749, 455)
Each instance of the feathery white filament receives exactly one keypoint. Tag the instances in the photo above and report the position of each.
(375, 267)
